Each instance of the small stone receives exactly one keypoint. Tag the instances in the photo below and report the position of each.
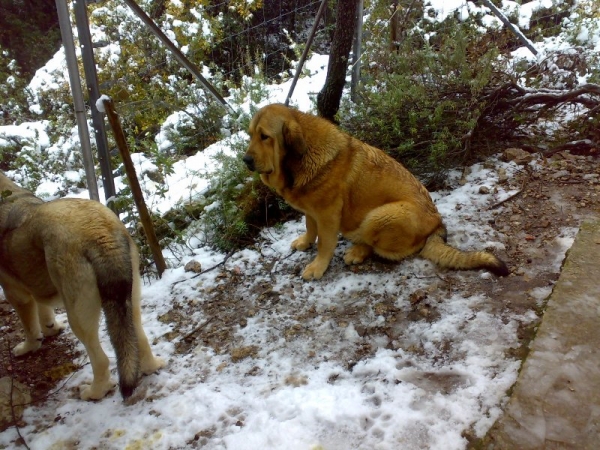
(518, 155)
(418, 296)
(502, 176)
(193, 266)
(484, 190)
(16, 401)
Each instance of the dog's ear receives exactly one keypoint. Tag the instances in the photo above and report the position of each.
(293, 137)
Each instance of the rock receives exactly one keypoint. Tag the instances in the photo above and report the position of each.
(484, 190)
(20, 398)
(193, 266)
(518, 155)
(463, 178)
(502, 176)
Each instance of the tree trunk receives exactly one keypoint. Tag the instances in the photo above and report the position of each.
(328, 100)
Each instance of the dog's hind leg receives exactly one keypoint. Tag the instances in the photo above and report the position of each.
(397, 230)
(84, 318)
(85, 323)
(76, 285)
(148, 362)
(357, 253)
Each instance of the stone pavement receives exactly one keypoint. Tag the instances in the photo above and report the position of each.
(555, 403)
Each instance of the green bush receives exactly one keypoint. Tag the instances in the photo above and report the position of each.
(238, 205)
(424, 104)
(12, 91)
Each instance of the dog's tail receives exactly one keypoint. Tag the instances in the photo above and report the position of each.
(115, 278)
(439, 252)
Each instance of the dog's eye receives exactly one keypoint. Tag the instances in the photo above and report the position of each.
(263, 136)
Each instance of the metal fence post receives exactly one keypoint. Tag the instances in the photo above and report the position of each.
(300, 64)
(91, 77)
(84, 135)
(179, 56)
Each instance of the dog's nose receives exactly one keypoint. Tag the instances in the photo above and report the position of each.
(249, 161)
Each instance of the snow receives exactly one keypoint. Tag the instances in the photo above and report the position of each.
(35, 132)
(100, 103)
(526, 11)
(302, 393)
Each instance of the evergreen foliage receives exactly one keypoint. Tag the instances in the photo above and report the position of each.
(432, 99)
(436, 97)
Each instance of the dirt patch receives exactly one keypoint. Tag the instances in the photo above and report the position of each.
(560, 194)
(42, 372)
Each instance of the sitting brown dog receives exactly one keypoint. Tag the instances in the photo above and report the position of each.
(344, 185)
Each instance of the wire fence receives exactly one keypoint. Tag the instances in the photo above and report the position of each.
(265, 45)
(265, 41)
(268, 42)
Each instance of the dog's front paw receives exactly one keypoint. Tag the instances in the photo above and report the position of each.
(301, 243)
(96, 391)
(27, 346)
(314, 271)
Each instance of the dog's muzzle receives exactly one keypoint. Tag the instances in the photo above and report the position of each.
(249, 161)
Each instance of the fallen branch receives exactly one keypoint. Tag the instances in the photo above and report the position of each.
(551, 97)
(495, 205)
(581, 146)
(12, 405)
(207, 270)
(195, 330)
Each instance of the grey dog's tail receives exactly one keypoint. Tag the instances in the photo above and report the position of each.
(114, 275)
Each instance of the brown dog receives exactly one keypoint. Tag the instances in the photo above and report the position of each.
(344, 185)
(75, 253)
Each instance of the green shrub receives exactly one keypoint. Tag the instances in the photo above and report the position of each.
(238, 204)
(423, 104)
(13, 103)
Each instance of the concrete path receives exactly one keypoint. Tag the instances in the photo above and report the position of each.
(555, 403)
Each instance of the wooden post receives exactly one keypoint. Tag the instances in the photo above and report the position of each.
(138, 197)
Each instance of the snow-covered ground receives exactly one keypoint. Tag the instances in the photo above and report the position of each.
(302, 389)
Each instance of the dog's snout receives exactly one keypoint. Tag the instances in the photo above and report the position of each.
(249, 161)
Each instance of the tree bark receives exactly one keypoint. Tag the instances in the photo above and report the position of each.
(328, 100)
